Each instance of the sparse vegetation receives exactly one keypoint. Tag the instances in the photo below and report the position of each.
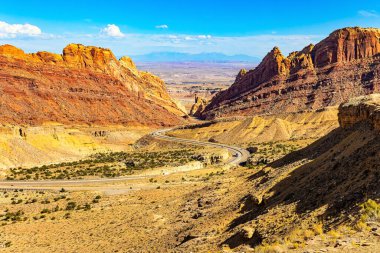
(266, 152)
(370, 211)
(108, 165)
(40, 206)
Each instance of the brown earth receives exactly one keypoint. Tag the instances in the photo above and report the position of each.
(316, 199)
(84, 85)
(340, 67)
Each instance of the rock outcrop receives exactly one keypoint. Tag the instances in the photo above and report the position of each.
(344, 65)
(363, 110)
(84, 85)
(198, 106)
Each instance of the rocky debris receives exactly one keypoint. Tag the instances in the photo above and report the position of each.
(100, 133)
(198, 106)
(246, 235)
(248, 232)
(85, 85)
(251, 201)
(364, 109)
(344, 65)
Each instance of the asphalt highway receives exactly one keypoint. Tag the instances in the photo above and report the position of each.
(237, 156)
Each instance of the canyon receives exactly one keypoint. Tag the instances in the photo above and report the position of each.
(97, 154)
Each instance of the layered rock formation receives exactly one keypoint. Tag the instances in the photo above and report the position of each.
(364, 109)
(346, 64)
(84, 85)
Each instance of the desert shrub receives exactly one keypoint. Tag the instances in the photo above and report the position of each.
(370, 211)
(86, 207)
(112, 164)
(252, 150)
(71, 205)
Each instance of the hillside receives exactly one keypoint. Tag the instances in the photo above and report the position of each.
(264, 128)
(322, 197)
(83, 85)
(346, 64)
(316, 199)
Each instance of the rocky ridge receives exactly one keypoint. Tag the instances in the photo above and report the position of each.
(83, 85)
(344, 65)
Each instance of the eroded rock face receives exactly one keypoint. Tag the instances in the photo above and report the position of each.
(198, 106)
(346, 45)
(364, 109)
(127, 62)
(94, 58)
(84, 85)
(344, 65)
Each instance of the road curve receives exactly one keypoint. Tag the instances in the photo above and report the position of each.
(238, 155)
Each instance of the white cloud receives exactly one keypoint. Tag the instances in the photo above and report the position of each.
(15, 30)
(162, 26)
(112, 30)
(190, 38)
(141, 43)
(368, 14)
(197, 37)
(204, 36)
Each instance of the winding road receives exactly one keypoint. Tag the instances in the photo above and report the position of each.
(237, 156)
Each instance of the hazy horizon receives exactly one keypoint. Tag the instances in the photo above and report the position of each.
(138, 28)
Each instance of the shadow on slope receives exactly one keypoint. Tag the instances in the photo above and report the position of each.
(337, 171)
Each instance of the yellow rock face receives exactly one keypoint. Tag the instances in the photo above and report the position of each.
(54, 143)
(49, 57)
(127, 62)
(9, 50)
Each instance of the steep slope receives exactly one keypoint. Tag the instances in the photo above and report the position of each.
(84, 85)
(344, 65)
(311, 200)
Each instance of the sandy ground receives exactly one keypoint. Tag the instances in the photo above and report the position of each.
(185, 212)
(54, 143)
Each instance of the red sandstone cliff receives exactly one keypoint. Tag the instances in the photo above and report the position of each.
(84, 85)
(344, 65)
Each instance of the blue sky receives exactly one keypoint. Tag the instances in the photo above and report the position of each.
(140, 27)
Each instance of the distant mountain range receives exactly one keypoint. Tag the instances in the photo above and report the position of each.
(185, 57)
